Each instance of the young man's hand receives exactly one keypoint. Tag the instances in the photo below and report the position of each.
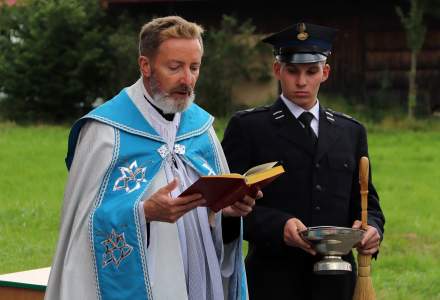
(293, 238)
(243, 207)
(371, 240)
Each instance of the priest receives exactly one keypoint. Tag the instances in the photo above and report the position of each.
(125, 231)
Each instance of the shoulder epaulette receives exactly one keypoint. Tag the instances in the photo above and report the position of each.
(252, 110)
(330, 113)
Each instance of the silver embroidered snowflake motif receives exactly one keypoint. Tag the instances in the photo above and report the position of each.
(208, 167)
(131, 178)
(116, 249)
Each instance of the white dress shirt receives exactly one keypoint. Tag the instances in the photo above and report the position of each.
(297, 110)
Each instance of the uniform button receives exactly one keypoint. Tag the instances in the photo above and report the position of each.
(345, 165)
(318, 187)
(317, 165)
(317, 208)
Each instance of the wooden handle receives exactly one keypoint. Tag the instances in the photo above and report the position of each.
(364, 168)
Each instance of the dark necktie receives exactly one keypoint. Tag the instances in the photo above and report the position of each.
(306, 118)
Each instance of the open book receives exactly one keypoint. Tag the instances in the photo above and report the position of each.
(223, 190)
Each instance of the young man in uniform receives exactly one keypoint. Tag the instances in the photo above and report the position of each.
(320, 150)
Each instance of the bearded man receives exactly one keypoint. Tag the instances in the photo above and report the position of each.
(125, 232)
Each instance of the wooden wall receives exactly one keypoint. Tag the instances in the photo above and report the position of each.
(370, 54)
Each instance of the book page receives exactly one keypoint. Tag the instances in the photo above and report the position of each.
(230, 175)
(265, 176)
(260, 168)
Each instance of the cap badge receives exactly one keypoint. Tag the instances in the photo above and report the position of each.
(302, 35)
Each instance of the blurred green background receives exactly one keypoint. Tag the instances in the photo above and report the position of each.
(59, 59)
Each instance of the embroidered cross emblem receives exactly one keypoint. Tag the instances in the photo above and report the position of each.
(163, 151)
(131, 178)
(116, 249)
(179, 149)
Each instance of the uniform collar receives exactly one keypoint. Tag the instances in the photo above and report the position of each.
(288, 127)
(297, 110)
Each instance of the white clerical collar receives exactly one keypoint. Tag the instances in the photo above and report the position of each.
(143, 100)
(145, 92)
(297, 110)
(138, 93)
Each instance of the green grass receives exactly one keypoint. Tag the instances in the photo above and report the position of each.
(405, 171)
(407, 176)
(32, 181)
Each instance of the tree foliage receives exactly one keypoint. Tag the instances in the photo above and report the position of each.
(415, 29)
(55, 59)
(232, 53)
(413, 22)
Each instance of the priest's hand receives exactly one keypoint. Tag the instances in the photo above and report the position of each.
(162, 207)
(243, 207)
(292, 237)
(371, 240)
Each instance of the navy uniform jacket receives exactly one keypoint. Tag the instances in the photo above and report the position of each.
(320, 187)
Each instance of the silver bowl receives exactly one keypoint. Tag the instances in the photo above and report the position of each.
(332, 242)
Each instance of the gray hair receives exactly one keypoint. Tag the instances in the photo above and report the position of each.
(158, 30)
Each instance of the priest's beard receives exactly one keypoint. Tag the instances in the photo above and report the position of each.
(165, 102)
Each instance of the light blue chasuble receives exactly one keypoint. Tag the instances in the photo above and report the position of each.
(116, 238)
